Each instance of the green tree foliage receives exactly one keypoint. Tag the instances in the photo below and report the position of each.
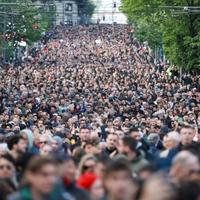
(167, 22)
(20, 20)
(23, 20)
(85, 6)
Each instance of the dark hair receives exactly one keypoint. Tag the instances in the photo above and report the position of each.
(89, 142)
(13, 140)
(8, 157)
(117, 165)
(102, 158)
(187, 126)
(192, 193)
(37, 162)
(134, 129)
(130, 142)
(6, 188)
(85, 127)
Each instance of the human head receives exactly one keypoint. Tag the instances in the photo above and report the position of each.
(41, 174)
(17, 143)
(56, 143)
(7, 166)
(111, 141)
(129, 147)
(153, 138)
(68, 169)
(184, 165)
(120, 133)
(43, 140)
(84, 134)
(187, 134)
(46, 150)
(118, 180)
(134, 133)
(158, 181)
(27, 134)
(101, 162)
(173, 139)
(86, 164)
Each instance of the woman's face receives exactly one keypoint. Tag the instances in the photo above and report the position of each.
(97, 190)
(89, 165)
(7, 169)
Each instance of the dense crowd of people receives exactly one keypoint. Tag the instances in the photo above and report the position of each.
(89, 115)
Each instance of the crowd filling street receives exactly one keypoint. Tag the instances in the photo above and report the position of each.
(89, 115)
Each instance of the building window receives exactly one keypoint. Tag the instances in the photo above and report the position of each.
(68, 19)
(68, 7)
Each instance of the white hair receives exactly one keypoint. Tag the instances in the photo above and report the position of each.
(173, 135)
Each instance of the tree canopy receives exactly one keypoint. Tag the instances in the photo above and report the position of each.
(20, 20)
(175, 24)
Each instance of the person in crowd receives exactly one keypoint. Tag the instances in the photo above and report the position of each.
(57, 146)
(187, 134)
(87, 164)
(6, 189)
(40, 181)
(28, 136)
(118, 180)
(100, 165)
(171, 140)
(96, 90)
(184, 166)
(153, 139)
(91, 183)
(111, 145)
(166, 190)
(17, 146)
(68, 172)
(8, 170)
(84, 136)
(135, 156)
(46, 150)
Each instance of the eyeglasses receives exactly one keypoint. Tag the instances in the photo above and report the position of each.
(8, 167)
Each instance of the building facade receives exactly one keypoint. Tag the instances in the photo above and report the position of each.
(108, 12)
(66, 12)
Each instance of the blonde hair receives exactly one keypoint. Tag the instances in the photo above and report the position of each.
(82, 162)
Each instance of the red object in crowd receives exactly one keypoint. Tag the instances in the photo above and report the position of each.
(86, 180)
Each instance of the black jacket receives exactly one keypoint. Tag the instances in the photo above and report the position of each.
(76, 192)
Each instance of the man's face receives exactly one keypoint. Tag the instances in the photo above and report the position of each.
(116, 184)
(112, 141)
(22, 146)
(84, 135)
(44, 180)
(187, 135)
(135, 135)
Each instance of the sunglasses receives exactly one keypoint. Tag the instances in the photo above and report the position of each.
(8, 167)
(88, 167)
